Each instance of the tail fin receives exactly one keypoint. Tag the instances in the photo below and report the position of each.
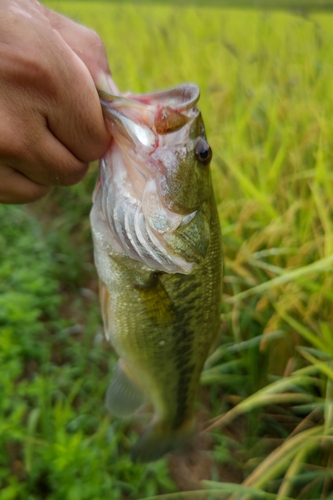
(159, 439)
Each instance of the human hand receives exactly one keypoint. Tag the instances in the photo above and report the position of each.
(51, 122)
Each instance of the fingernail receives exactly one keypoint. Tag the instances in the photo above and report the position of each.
(105, 83)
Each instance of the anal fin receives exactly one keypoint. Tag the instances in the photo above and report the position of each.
(123, 396)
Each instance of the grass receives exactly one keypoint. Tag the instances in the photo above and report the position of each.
(265, 80)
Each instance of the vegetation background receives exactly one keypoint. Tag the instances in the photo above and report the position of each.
(266, 399)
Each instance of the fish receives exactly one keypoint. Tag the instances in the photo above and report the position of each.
(158, 255)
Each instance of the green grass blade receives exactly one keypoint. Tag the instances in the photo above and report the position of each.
(320, 266)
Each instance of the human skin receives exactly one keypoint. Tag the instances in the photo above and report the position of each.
(51, 122)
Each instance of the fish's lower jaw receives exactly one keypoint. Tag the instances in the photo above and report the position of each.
(159, 438)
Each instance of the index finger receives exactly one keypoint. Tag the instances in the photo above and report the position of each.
(73, 112)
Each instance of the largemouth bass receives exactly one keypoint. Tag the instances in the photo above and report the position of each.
(158, 256)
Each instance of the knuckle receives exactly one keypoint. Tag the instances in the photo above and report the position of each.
(95, 49)
(13, 146)
(97, 143)
(30, 70)
(95, 40)
(72, 174)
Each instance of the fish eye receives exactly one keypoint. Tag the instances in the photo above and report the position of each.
(203, 152)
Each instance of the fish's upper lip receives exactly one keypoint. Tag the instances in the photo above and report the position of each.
(181, 97)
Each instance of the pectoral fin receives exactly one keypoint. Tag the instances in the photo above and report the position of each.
(123, 396)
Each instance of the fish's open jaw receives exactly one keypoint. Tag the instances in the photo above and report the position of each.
(163, 112)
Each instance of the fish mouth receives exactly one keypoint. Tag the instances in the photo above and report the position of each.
(162, 112)
(181, 98)
(142, 123)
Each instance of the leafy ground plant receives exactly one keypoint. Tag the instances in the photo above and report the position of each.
(56, 440)
(266, 424)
